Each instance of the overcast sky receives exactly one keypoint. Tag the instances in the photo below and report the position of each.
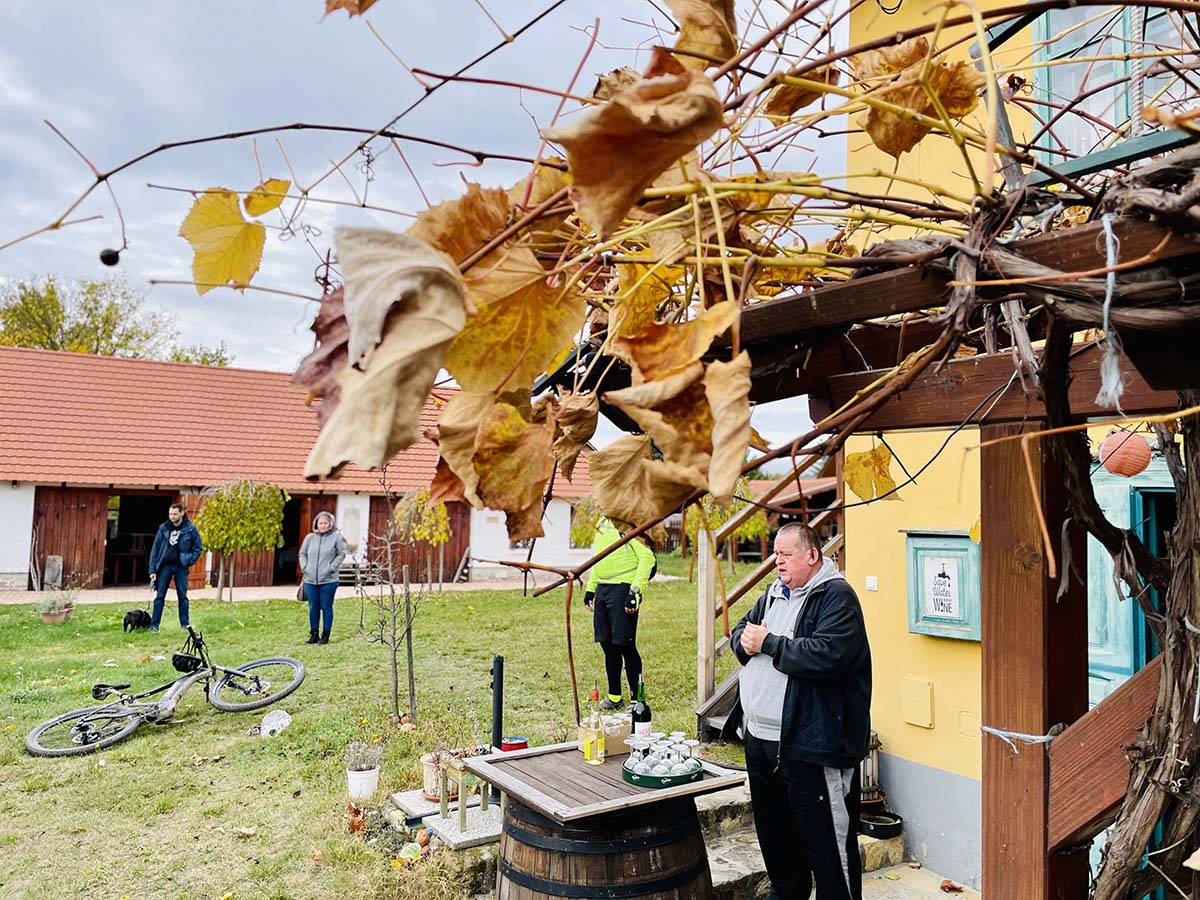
(120, 78)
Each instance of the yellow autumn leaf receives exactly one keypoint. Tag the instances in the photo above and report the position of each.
(976, 531)
(621, 479)
(514, 462)
(521, 323)
(266, 196)
(868, 474)
(616, 150)
(228, 249)
(458, 427)
(642, 288)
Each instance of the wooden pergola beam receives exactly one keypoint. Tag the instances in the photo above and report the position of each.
(1034, 666)
(956, 393)
(1089, 763)
(917, 287)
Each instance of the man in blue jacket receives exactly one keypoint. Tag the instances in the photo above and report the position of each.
(805, 696)
(176, 547)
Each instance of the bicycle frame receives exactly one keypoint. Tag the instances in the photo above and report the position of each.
(165, 708)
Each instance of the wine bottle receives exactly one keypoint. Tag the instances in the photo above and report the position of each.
(641, 711)
(593, 735)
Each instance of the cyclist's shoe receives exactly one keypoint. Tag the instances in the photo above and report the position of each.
(608, 703)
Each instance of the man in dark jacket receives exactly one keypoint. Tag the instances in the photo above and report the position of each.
(805, 695)
(176, 547)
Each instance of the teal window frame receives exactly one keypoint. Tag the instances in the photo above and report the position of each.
(958, 547)
(1122, 95)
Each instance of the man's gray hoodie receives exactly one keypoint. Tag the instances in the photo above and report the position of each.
(762, 686)
(321, 555)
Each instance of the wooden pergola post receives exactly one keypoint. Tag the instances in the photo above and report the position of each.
(1034, 669)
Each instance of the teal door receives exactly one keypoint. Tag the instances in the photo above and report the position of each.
(1119, 640)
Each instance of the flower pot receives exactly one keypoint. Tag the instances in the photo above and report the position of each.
(362, 785)
(57, 617)
(432, 776)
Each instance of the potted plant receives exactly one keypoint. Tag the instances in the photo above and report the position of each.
(362, 770)
(432, 763)
(56, 608)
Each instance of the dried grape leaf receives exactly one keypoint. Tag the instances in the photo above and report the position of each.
(352, 7)
(577, 417)
(404, 303)
(520, 322)
(621, 483)
(707, 27)
(675, 414)
(616, 151)
(660, 349)
(956, 86)
(227, 248)
(458, 427)
(786, 99)
(318, 371)
(727, 387)
(889, 60)
(643, 289)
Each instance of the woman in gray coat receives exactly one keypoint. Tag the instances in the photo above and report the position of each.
(321, 557)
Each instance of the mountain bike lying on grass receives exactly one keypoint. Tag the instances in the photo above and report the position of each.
(252, 685)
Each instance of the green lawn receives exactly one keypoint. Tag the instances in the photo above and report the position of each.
(202, 810)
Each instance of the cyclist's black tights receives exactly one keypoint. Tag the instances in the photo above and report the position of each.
(614, 654)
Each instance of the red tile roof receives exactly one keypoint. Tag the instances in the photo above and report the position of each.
(808, 486)
(80, 419)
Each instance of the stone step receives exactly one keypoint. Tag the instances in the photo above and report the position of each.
(738, 872)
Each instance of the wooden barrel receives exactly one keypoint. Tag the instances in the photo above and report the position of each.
(650, 851)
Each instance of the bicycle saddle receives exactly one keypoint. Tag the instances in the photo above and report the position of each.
(100, 691)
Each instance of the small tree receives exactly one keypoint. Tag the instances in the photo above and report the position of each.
(241, 516)
(585, 517)
(707, 516)
(416, 520)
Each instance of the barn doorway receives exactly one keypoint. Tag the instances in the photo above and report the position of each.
(133, 520)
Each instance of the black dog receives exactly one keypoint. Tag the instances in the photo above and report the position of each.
(136, 618)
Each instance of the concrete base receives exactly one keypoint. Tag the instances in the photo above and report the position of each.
(415, 807)
(482, 828)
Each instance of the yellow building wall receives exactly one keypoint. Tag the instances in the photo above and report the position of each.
(936, 160)
(945, 496)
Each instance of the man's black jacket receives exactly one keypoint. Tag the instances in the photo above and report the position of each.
(827, 707)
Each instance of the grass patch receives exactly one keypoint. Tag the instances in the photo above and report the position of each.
(163, 814)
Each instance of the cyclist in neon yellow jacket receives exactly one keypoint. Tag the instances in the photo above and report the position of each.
(614, 596)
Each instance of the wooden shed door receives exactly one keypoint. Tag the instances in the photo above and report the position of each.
(71, 523)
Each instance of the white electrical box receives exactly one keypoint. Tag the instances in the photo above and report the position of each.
(872, 582)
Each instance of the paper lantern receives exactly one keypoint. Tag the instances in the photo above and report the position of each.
(1125, 453)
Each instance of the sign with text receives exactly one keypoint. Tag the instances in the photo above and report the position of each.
(943, 584)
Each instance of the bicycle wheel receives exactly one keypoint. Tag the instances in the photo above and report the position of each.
(83, 731)
(264, 682)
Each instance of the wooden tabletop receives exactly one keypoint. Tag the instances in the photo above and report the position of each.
(555, 781)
